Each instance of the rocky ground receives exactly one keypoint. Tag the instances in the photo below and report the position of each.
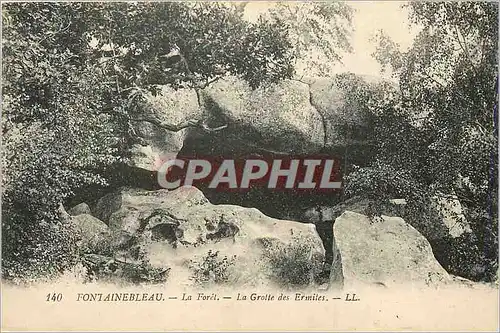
(179, 237)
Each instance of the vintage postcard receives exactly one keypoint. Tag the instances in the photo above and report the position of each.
(249, 166)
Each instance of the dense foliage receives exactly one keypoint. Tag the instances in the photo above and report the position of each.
(319, 32)
(436, 135)
(293, 265)
(71, 72)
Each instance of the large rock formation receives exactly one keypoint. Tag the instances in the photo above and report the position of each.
(291, 117)
(276, 118)
(199, 243)
(308, 116)
(387, 252)
(305, 116)
(181, 230)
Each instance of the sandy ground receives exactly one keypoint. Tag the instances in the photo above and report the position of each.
(448, 308)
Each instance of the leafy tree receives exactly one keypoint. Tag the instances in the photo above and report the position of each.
(319, 32)
(53, 135)
(439, 135)
(73, 76)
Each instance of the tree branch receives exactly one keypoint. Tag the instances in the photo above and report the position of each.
(177, 127)
(197, 86)
(50, 35)
(464, 46)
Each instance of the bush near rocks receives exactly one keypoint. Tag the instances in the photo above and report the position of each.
(110, 269)
(212, 269)
(293, 265)
(35, 248)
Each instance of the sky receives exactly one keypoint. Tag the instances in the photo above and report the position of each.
(369, 17)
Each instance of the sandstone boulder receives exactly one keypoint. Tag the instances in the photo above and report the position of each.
(341, 115)
(290, 117)
(179, 228)
(169, 107)
(275, 118)
(388, 252)
(94, 234)
(79, 209)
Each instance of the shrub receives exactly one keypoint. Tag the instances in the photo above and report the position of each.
(103, 268)
(32, 249)
(294, 264)
(212, 269)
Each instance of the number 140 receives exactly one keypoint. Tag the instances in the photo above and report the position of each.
(53, 297)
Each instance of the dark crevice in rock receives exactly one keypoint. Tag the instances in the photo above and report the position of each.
(163, 226)
(281, 204)
(224, 230)
(166, 231)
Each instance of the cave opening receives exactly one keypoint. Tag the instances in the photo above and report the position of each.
(287, 204)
